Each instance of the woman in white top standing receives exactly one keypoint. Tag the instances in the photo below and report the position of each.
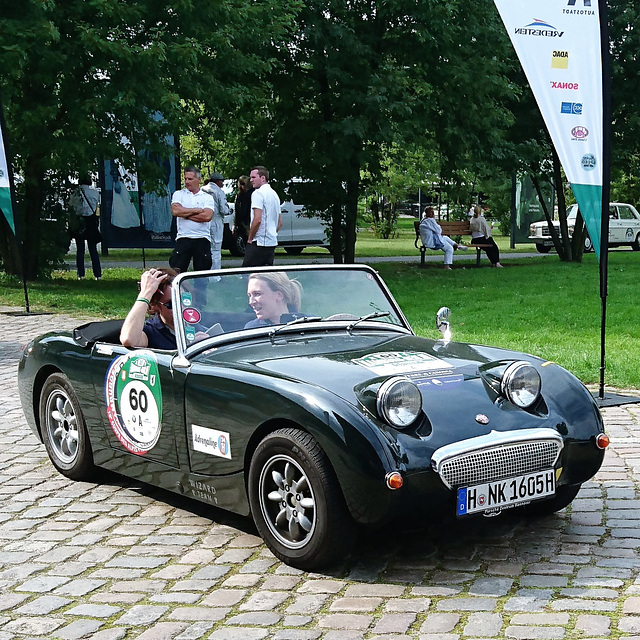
(481, 234)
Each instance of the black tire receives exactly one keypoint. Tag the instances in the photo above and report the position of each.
(296, 502)
(294, 251)
(63, 428)
(237, 247)
(635, 245)
(563, 498)
(542, 249)
(588, 245)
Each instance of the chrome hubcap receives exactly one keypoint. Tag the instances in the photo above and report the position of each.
(62, 426)
(287, 501)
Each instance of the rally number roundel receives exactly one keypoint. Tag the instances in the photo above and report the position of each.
(134, 400)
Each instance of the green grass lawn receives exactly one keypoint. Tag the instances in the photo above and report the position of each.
(540, 306)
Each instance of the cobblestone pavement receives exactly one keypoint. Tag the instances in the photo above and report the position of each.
(122, 560)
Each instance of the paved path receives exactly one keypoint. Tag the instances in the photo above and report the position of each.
(123, 560)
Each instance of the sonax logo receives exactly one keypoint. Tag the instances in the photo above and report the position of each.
(571, 86)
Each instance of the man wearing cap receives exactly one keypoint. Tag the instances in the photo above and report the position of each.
(266, 221)
(213, 186)
(193, 209)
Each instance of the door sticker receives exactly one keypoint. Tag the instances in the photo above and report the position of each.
(211, 441)
(134, 400)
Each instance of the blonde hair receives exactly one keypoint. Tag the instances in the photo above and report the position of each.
(477, 210)
(279, 281)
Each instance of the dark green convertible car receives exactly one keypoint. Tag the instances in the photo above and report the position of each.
(301, 396)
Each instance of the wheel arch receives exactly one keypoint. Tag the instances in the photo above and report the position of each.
(38, 383)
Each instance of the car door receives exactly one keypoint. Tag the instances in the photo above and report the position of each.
(616, 234)
(629, 223)
(138, 400)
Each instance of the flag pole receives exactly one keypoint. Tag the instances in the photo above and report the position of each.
(606, 186)
(11, 220)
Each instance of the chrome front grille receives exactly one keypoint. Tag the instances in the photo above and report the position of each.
(480, 460)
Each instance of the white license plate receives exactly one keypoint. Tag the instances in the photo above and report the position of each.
(504, 494)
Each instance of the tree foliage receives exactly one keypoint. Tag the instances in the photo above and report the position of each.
(78, 77)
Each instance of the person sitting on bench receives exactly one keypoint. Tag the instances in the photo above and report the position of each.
(432, 238)
(481, 234)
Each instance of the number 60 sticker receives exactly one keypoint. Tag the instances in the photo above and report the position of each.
(134, 400)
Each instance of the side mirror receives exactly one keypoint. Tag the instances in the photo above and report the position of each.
(442, 322)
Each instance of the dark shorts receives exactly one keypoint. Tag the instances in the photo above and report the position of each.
(187, 248)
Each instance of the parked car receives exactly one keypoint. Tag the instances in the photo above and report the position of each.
(624, 228)
(335, 417)
(297, 232)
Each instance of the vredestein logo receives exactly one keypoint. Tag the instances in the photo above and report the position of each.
(539, 28)
(572, 10)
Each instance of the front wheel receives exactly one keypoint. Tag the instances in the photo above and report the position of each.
(64, 432)
(563, 498)
(588, 245)
(296, 502)
(542, 249)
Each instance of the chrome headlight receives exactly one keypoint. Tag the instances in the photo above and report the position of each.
(399, 402)
(521, 384)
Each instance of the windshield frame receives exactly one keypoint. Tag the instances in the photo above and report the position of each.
(189, 348)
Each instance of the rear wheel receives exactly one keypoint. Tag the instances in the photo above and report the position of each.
(588, 245)
(542, 249)
(635, 245)
(64, 432)
(563, 498)
(296, 502)
(294, 251)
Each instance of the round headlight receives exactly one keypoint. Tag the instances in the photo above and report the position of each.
(399, 402)
(521, 384)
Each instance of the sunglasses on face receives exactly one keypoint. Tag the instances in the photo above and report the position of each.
(168, 304)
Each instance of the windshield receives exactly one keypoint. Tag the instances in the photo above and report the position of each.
(213, 303)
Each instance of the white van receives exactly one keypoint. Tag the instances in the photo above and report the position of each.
(297, 232)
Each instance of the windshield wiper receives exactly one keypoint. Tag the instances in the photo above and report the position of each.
(292, 322)
(370, 316)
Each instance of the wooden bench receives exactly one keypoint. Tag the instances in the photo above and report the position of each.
(449, 228)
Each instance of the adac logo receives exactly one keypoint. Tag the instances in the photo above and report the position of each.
(539, 28)
(560, 60)
(571, 8)
(579, 133)
(571, 108)
(571, 86)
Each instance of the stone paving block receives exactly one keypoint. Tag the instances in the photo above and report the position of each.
(631, 605)
(483, 625)
(307, 604)
(264, 601)
(139, 615)
(573, 604)
(79, 629)
(554, 619)
(203, 614)
(438, 623)
(43, 605)
(239, 634)
(395, 623)
(224, 597)
(296, 634)
(593, 625)
(33, 626)
(42, 584)
(258, 618)
(93, 610)
(629, 624)
(467, 604)
(535, 633)
(355, 604)
(374, 590)
(195, 631)
(162, 631)
(491, 587)
(345, 621)
(321, 586)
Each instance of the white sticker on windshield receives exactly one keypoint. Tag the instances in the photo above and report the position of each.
(390, 362)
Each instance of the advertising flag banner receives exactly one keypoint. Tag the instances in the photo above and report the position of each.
(558, 45)
(6, 202)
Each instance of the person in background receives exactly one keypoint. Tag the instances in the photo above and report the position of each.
(194, 209)
(242, 218)
(154, 298)
(481, 234)
(432, 238)
(213, 186)
(84, 201)
(266, 220)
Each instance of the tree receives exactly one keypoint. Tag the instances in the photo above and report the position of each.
(78, 77)
(361, 75)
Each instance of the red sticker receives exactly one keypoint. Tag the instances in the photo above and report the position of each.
(192, 316)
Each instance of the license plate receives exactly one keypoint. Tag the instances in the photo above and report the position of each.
(504, 494)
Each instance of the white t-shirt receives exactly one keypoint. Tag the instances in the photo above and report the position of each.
(189, 228)
(266, 199)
